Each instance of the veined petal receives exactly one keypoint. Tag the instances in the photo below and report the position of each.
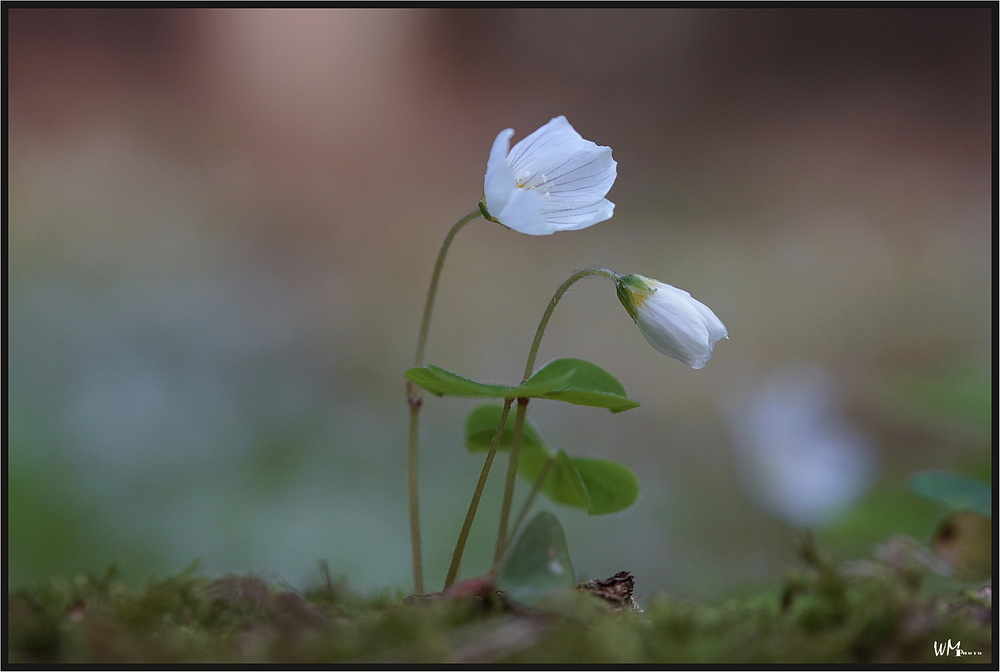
(591, 171)
(564, 219)
(569, 175)
(545, 146)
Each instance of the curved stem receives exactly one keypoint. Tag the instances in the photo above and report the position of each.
(463, 536)
(522, 403)
(425, 322)
(414, 401)
(570, 281)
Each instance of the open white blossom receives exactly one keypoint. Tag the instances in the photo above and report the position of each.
(671, 319)
(552, 180)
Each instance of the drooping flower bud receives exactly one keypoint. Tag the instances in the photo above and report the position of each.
(671, 320)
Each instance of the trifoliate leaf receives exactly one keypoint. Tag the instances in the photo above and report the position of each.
(582, 383)
(610, 486)
(594, 485)
(575, 381)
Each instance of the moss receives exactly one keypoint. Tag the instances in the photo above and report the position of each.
(820, 614)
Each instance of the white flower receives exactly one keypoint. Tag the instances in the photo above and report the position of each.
(671, 320)
(799, 455)
(552, 180)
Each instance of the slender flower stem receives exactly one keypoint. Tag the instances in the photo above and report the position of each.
(414, 401)
(522, 404)
(563, 288)
(425, 323)
(463, 536)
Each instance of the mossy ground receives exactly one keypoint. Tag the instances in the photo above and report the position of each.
(865, 613)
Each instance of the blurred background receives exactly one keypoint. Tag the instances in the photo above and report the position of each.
(221, 230)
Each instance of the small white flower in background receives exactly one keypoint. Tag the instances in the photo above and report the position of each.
(552, 180)
(799, 455)
(671, 319)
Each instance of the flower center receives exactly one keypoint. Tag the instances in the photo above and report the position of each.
(525, 182)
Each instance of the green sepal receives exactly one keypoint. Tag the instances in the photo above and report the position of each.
(486, 213)
(628, 287)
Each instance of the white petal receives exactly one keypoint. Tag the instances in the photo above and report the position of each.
(546, 146)
(563, 219)
(499, 184)
(716, 329)
(587, 173)
(523, 213)
(680, 326)
(552, 180)
(674, 335)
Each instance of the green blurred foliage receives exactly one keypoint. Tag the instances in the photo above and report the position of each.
(956, 492)
(955, 405)
(957, 399)
(52, 524)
